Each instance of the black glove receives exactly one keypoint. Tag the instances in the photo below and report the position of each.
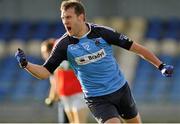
(21, 58)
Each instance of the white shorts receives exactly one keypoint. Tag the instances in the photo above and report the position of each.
(74, 102)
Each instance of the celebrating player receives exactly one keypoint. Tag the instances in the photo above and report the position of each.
(88, 48)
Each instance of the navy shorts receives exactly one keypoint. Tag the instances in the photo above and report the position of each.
(119, 103)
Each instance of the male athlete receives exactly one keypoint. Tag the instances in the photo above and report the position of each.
(88, 48)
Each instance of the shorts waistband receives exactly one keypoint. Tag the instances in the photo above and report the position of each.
(108, 95)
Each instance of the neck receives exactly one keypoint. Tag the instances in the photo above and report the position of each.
(83, 31)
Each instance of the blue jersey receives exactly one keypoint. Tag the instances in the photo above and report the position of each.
(92, 60)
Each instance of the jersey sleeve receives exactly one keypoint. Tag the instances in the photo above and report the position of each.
(115, 38)
(57, 55)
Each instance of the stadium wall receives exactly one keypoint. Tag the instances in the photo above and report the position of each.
(49, 9)
(34, 112)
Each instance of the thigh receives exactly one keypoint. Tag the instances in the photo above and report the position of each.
(74, 102)
(102, 109)
(81, 115)
(78, 102)
(76, 108)
(126, 106)
(67, 102)
(79, 108)
(136, 119)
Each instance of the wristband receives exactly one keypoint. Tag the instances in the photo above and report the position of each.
(161, 66)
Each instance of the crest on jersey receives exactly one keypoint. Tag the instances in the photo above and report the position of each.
(123, 37)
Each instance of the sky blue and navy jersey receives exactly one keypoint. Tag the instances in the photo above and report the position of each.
(91, 58)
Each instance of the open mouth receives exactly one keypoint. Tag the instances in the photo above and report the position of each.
(69, 29)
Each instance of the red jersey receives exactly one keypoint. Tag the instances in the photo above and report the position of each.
(67, 82)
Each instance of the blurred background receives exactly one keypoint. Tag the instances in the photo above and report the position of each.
(153, 23)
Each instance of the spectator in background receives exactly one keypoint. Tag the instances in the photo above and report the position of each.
(64, 85)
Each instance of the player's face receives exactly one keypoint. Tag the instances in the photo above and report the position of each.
(72, 22)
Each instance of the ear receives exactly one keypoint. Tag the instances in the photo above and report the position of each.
(82, 17)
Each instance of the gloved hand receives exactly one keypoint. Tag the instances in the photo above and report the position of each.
(166, 70)
(49, 102)
(21, 58)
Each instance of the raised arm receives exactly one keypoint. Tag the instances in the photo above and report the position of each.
(37, 71)
(118, 39)
(166, 70)
(145, 54)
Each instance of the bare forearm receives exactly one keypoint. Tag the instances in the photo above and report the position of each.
(146, 54)
(149, 56)
(37, 71)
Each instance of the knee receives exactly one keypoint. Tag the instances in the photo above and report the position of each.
(136, 119)
(113, 120)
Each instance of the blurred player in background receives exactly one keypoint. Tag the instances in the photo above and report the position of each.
(46, 48)
(65, 85)
(88, 48)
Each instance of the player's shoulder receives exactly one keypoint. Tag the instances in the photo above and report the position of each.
(63, 38)
(62, 42)
(99, 30)
(100, 27)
